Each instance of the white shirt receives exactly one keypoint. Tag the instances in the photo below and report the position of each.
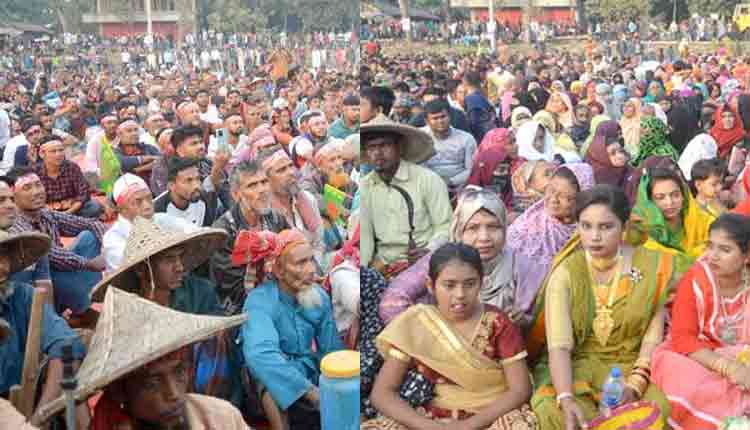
(345, 294)
(213, 146)
(9, 155)
(4, 127)
(211, 115)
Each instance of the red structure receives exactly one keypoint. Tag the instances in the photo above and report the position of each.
(511, 11)
(126, 18)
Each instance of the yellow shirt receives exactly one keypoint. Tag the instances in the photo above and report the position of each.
(384, 213)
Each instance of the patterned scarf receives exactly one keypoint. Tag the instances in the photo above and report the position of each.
(654, 141)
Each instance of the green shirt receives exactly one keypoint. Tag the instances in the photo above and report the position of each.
(385, 214)
(196, 296)
(339, 130)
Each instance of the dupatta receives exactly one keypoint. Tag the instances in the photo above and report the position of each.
(423, 335)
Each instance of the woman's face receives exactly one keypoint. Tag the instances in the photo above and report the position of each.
(510, 146)
(628, 109)
(654, 89)
(539, 139)
(541, 176)
(456, 290)
(665, 105)
(648, 110)
(638, 92)
(715, 92)
(727, 120)
(583, 114)
(556, 104)
(617, 155)
(600, 230)
(667, 196)
(723, 255)
(595, 110)
(486, 233)
(560, 199)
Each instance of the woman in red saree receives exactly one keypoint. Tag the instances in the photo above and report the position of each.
(703, 369)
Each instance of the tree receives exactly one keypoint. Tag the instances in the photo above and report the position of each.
(617, 10)
(324, 14)
(235, 16)
(705, 7)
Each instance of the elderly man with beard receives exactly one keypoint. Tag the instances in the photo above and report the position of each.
(135, 157)
(185, 198)
(299, 207)
(250, 189)
(288, 313)
(189, 114)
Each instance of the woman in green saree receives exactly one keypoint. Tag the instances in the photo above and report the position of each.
(601, 307)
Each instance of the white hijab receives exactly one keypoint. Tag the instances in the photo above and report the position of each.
(701, 147)
(525, 137)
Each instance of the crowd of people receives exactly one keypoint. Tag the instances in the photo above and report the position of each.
(532, 220)
(195, 227)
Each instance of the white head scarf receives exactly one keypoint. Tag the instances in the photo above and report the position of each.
(525, 139)
(701, 147)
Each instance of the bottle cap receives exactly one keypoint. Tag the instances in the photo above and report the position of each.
(616, 372)
(340, 364)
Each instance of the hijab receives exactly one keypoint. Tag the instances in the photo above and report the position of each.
(489, 156)
(563, 144)
(726, 138)
(619, 97)
(701, 147)
(631, 127)
(525, 138)
(595, 121)
(634, 180)
(563, 113)
(597, 156)
(654, 141)
(683, 123)
(516, 119)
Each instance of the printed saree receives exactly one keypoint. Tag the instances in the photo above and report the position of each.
(641, 292)
(468, 376)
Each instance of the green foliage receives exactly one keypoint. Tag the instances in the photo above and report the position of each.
(326, 14)
(34, 11)
(706, 7)
(616, 10)
(235, 16)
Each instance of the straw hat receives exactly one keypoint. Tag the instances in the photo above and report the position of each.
(416, 145)
(24, 249)
(147, 239)
(131, 333)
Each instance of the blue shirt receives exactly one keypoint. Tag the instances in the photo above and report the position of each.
(481, 115)
(16, 309)
(277, 341)
(38, 271)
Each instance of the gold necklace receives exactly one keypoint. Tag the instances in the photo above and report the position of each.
(604, 323)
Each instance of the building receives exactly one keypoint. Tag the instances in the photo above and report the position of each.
(128, 17)
(512, 11)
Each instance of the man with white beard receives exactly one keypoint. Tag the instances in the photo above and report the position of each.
(288, 305)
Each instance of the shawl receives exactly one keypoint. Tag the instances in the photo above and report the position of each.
(565, 117)
(539, 235)
(517, 117)
(631, 128)
(689, 240)
(619, 97)
(654, 141)
(743, 208)
(595, 121)
(726, 138)
(597, 156)
(109, 167)
(701, 147)
(525, 138)
(563, 144)
(489, 155)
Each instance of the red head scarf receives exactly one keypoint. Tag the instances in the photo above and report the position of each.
(726, 138)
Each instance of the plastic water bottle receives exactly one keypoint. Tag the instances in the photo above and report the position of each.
(612, 390)
(339, 391)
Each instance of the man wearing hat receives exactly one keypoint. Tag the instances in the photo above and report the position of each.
(405, 207)
(286, 315)
(137, 360)
(18, 251)
(66, 188)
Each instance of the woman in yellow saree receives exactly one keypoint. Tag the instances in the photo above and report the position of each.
(601, 307)
(470, 352)
(666, 210)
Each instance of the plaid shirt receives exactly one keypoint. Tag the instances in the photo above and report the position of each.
(70, 184)
(54, 224)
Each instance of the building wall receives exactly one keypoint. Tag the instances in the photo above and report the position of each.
(116, 29)
(514, 15)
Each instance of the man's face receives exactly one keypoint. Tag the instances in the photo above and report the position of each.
(318, 126)
(233, 100)
(383, 153)
(235, 125)
(253, 115)
(253, 192)
(331, 163)
(202, 99)
(366, 110)
(156, 123)
(439, 122)
(351, 114)
(190, 114)
(141, 203)
(128, 134)
(168, 268)
(297, 268)
(187, 185)
(127, 113)
(192, 147)
(47, 122)
(282, 176)
(110, 126)
(8, 209)
(156, 392)
(53, 153)
(34, 134)
(30, 194)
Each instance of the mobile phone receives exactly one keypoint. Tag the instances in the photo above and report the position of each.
(221, 140)
(737, 160)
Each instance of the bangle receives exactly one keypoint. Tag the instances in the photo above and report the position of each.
(562, 396)
(635, 388)
(641, 372)
(638, 383)
(643, 363)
